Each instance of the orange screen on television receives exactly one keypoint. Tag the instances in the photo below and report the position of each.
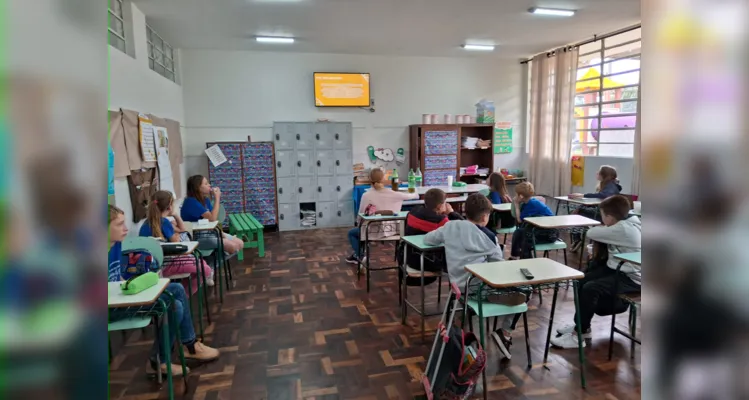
(333, 89)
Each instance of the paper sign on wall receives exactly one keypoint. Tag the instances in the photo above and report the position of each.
(502, 137)
(162, 153)
(146, 139)
(215, 154)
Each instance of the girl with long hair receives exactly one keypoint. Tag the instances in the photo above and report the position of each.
(198, 205)
(157, 225)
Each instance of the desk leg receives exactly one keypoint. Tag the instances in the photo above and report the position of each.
(178, 339)
(423, 295)
(551, 322)
(481, 333)
(578, 328)
(559, 202)
(220, 261)
(205, 291)
(201, 289)
(583, 248)
(403, 287)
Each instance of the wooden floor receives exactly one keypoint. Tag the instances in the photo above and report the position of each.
(298, 325)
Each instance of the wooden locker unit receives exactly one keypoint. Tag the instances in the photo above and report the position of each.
(314, 171)
(436, 150)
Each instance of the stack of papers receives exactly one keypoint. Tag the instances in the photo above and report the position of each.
(308, 218)
(468, 142)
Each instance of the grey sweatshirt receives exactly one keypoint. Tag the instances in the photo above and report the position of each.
(464, 244)
(624, 236)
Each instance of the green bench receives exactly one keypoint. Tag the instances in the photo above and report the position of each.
(247, 228)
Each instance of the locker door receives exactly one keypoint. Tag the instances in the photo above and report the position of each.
(345, 214)
(342, 134)
(305, 164)
(344, 188)
(305, 140)
(288, 217)
(344, 163)
(306, 189)
(326, 214)
(326, 188)
(323, 135)
(285, 163)
(283, 135)
(325, 163)
(287, 190)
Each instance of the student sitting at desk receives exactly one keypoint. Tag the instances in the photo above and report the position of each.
(381, 198)
(197, 205)
(157, 225)
(526, 205)
(499, 195)
(194, 349)
(467, 242)
(621, 233)
(422, 220)
(608, 185)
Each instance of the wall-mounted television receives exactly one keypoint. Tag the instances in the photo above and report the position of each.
(341, 89)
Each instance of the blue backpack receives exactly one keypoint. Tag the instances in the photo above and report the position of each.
(136, 262)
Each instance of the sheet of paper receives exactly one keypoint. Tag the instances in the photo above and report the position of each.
(146, 138)
(166, 181)
(215, 154)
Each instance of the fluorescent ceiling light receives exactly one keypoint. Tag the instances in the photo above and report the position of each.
(268, 39)
(479, 47)
(552, 11)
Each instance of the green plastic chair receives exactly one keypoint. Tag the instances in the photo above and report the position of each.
(489, 310)
(485, 192)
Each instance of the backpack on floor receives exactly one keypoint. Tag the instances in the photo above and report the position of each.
(462, 363)
(136, 262)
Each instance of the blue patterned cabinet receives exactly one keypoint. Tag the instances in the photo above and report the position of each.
(315, 173)
(247, 180)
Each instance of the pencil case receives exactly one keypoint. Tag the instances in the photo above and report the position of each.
(139, 283)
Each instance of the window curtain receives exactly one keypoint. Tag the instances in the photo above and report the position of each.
(637, 156)
(552, 99)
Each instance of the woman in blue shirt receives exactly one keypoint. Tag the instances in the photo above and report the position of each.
(197, 205)
(157, 225)
(528, 206)
(194, 349)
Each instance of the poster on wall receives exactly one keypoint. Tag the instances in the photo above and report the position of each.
(146, 138)
(502, 137)
(110, 170)
(577, 170)
(162, 156)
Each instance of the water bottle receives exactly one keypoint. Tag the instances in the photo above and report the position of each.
(411, 181)
(419, 181)
(394, 181)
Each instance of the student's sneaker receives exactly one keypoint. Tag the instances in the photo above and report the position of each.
(503, 343)
(353, 259)
(199, 351)
(210, 282)
(568, 341)
(176, 369)
(570, 329)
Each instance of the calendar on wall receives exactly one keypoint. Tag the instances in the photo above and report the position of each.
(246, 179)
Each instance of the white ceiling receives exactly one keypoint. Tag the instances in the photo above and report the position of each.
(388, 27)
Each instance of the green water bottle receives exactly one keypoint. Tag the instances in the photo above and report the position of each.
(394, 181)
(418, 177)
(411, 181)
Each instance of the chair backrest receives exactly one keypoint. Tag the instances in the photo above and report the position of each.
(146, 243)
(485, 192)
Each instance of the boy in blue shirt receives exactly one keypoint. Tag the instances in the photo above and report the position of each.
(194, 349)
(528, 206)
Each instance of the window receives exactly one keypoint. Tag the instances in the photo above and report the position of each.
(116, 25)
(608, 78)
(161, 57)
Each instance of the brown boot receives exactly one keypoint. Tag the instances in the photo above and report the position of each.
(200, 352)
(176, 369)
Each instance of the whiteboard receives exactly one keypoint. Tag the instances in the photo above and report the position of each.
(623, 168)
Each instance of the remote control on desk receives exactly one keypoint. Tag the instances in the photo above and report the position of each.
(527, 274)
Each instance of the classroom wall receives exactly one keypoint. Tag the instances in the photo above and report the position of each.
(134, 86)
(229, 95)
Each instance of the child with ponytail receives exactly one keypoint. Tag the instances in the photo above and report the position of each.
(157, 225)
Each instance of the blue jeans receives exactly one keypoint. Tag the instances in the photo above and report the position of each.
(181, 310)
(353, 238)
